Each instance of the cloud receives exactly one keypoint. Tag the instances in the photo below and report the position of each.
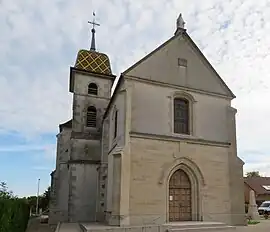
(42, 168)
(39, 41)
(18, 145)
(46, 152)
(22, 148)
(256, 160)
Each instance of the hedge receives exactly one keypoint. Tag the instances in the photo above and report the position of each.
(14, 215)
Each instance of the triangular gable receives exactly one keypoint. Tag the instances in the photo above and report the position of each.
(162, 65)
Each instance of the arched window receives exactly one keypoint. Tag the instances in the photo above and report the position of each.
(92, 89)
(115, 123)
(91, 119)
(181, 116)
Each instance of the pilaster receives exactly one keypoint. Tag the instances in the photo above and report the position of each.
(235, 172)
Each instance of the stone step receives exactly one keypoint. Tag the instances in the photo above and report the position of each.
(168, 227)
(192, 224)
(83, 228)
(198, 226)
(68, 227)
(204, 228)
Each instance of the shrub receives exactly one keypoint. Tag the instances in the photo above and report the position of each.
(14, 215)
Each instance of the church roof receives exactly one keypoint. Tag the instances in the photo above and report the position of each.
(182, 32)
(93, 61)
(67, 124)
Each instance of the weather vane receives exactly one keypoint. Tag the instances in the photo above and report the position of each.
(94, 22)
(93, 42)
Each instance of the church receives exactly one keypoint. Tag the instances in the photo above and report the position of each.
(160, 149)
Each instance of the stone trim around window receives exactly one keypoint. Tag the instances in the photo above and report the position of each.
(91, 116)
(93, 91)
(182, 62)
(191, 120)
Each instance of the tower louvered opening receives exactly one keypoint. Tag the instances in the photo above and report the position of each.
(91, 117)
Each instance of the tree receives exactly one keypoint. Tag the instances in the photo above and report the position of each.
(253, 174)
(3, 187)
(14, 212)
(45, 199)
(4, 192)
(43, 202)
(32, 202)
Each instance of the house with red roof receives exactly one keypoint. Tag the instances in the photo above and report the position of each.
(261, 187)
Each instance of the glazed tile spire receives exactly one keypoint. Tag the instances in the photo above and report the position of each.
(91, 60)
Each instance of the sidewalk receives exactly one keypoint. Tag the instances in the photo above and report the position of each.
(35, 226)
(263, 226)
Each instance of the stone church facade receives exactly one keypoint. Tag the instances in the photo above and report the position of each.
(161, 149)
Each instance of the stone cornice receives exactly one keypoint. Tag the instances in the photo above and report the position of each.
(83, 162)
(187, 139)
(92, 96)
(183, 88)
(88, 73)
(95, 74)
(232, 109)
(116, 150)
(85, 135)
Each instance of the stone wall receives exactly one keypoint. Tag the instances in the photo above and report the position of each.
(103, 173)
(83, 192)
(119, 105)
(82, 100)
(163, 66)
(85, 159)
(151, 163)
(152, 111)
(60, 182)
(83, 149)
(80, 105)
(63, 146)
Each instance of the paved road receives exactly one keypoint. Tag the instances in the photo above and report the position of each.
(35, 226)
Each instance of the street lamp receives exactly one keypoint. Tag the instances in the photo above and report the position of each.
(37, 197)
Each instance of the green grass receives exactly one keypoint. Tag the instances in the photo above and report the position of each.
(251, 222)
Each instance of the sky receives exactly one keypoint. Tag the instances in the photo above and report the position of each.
(39, 41)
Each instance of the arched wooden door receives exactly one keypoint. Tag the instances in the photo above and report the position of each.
(179, 197)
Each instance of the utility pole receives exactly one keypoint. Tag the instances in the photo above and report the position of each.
(37, 197)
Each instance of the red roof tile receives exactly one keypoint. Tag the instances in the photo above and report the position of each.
(257, 183)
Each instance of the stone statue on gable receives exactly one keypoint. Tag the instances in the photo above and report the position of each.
(180, 22)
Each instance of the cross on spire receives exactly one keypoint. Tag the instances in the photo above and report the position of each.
(94, 22)
(93, 42)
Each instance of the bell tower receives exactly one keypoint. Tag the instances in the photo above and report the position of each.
(91, 81)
